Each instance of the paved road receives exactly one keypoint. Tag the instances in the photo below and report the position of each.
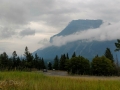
(56, 73)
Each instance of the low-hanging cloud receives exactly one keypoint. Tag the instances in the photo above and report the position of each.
(104, 33)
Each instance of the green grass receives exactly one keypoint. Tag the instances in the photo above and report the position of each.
(38, 81)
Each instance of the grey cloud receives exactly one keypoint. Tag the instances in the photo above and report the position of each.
(12, 13)
(27, 32)
(6, 32)
(105, 9)
(56, 13)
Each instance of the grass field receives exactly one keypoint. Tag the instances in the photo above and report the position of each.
(38, 81)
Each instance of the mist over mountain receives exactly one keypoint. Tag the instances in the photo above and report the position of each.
(85, 37)
(79, 25)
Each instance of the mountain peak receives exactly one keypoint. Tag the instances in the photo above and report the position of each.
(79, 25)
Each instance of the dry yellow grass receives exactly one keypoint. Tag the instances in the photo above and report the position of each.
(38, 81)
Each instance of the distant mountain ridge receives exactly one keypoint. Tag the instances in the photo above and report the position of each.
(81, 47)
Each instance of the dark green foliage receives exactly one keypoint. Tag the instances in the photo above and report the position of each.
(43, 64)
(76, 65)
(108, 54)
(102, 66)
(117, 44)
(25, 63)
(4, 61)
(29, 58)
(79, 65)
(74, 54)
(56, 63)
(62, 62)
(67, 57)
(49, 66)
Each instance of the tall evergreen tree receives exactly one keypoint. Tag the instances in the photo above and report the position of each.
(56, 63)
(50, 66)
(62, 62)
(36, 62)
(18, 62)
(74, 54)
(14, 56)
(4, 61)
(43, 64)
(67, 57)
(29, 58)
(26, 54)
(108, 54)
(117, 44)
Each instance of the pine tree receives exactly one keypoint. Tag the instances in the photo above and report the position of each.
(50, 66)
(62, 62)
(36, 62)
(56, 63)
(14, 56)
(43, 64)
(117, 44)
(4, 61)
(108, 54)
(26, 54)
(74, 54)
(29, 58)
(67, 57)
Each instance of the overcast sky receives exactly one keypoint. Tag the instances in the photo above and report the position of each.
(32, 22)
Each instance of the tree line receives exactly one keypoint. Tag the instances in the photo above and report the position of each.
(28, 62)
(100, 65)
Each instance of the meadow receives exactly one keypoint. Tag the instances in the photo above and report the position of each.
(17, 80)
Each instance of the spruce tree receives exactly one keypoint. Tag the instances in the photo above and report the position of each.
(62, 62)
(4, 61)
(56, 63)
(14, 56)
(108, 54)
(74, 54)
(67, 57)
(29, 58)
(49, 66)
(43, 64)
(117, 44)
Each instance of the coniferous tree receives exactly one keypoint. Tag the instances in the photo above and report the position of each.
(36, 61)
(62, 62)
(29, 58)
(14, 55)
(108, 54)
(18, 62)
(10, 64)
(56, 63)
(117, 44)
(43, 64)
(4, 60)
(49, 66)
(67, 57)
(74, 54)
